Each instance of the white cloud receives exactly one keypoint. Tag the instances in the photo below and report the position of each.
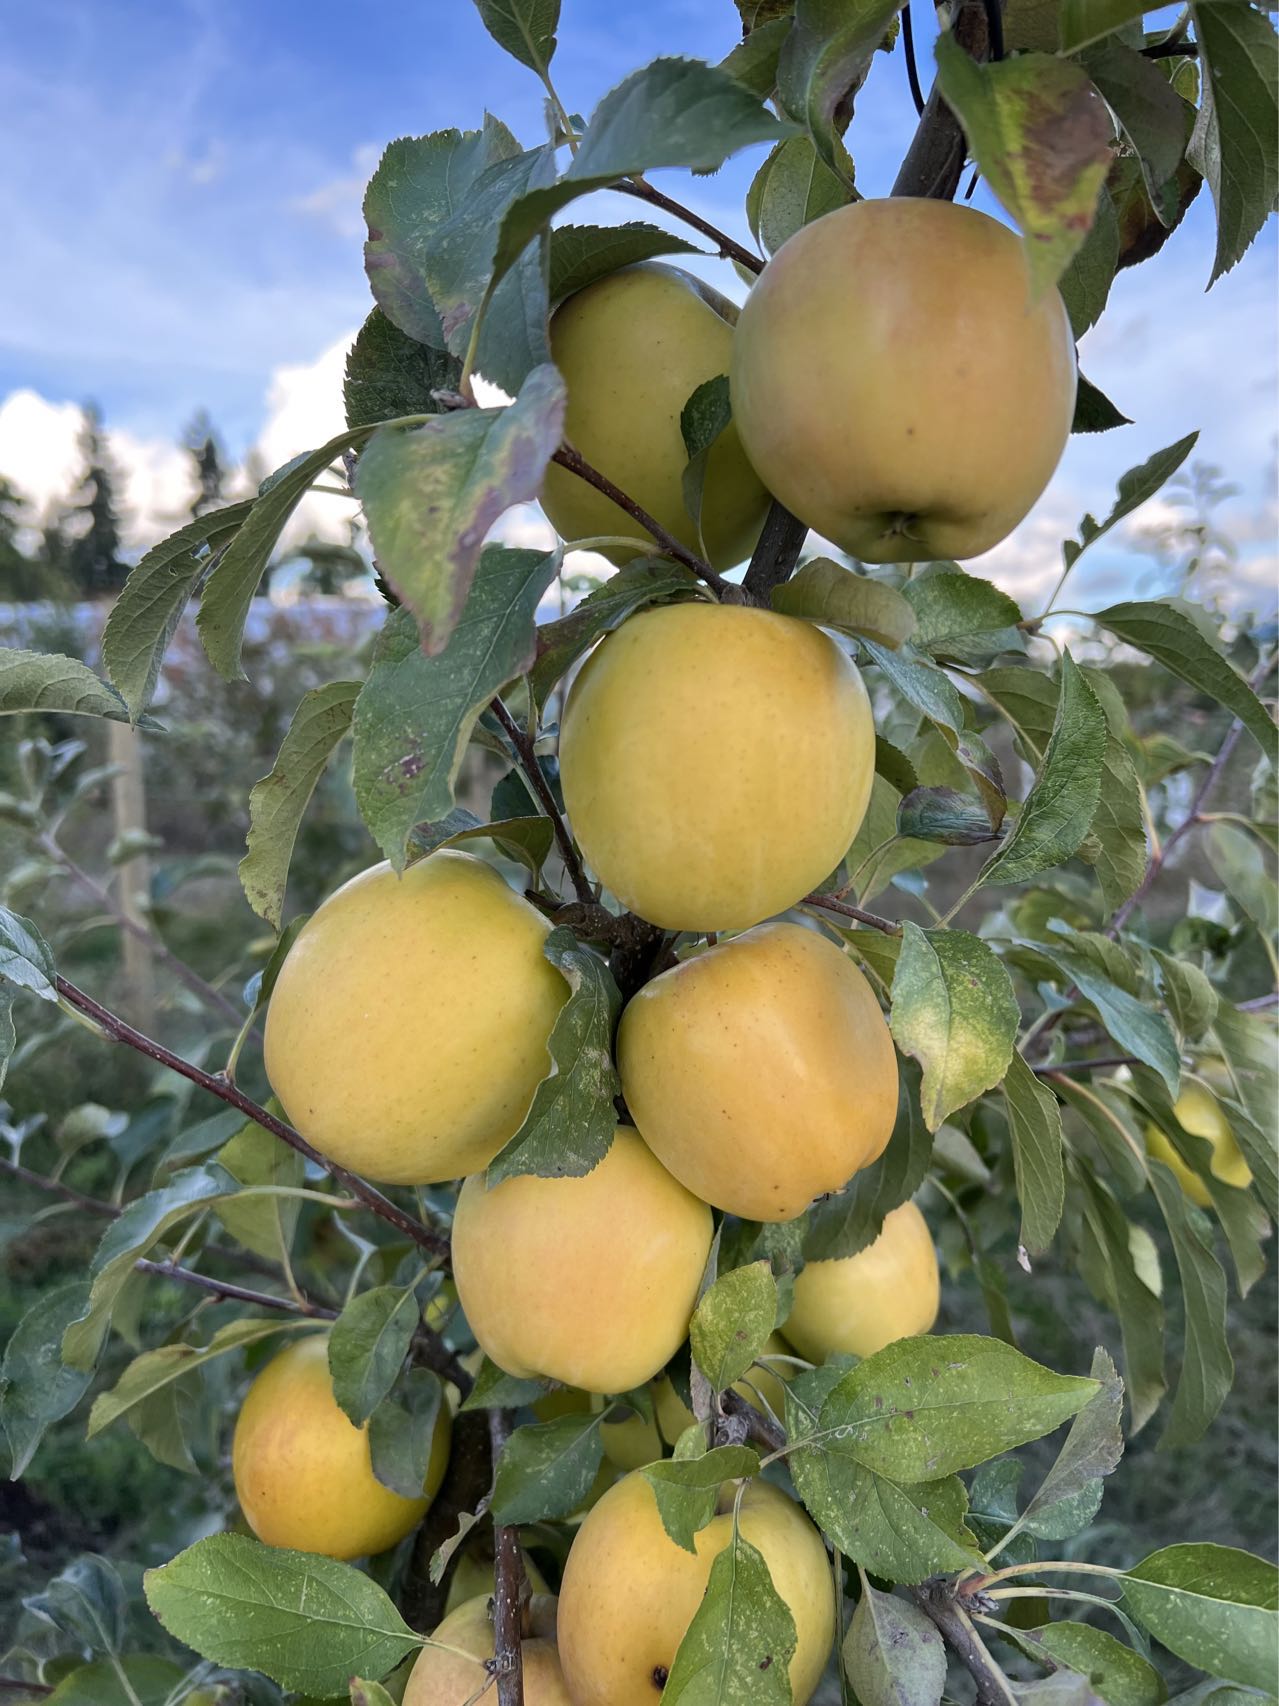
(338, 201)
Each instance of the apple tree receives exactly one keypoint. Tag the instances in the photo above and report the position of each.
(552, 1192)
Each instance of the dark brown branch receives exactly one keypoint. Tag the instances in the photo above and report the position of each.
(92, 1205)
(937, 1601)
(509, 1592)
(934, 162)
(569, 458)
(465, 1486)
(729, 248)
(776, 553)
(912, 67)
(1171, 50)
(829, 903)
(237, 1293)
(760, 1429)
(526, 756)
(425, 1237)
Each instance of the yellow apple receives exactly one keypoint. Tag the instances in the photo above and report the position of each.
(586, 1280)
(302, 1471)
(895, 385)
(632, 349)
(761, 1073)
(451, 1678)
(629, 1592)
(1199, 1111)
(673, 1414)
(717, 762)
(407, 1031)
(890, 1290)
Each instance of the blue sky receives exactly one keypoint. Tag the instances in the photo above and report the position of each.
(181, 194)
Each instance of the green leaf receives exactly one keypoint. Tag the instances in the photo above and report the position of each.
(1187, 994)
(1134, 1024)
(145, 1221)
(1172, 639)
(263, 1224)
(571, 1120)
(420, 182)
(277, 802)
(1034, 1122)
(702, 420)
(36, 1388)
(1108, 1266)
(1151, 113)
(368, 1345)
(824, 592)
(431, 495)
(825, 60)
(366, 1693)
(687, 1489)
(1041, 135)
(754, 60)
(45, 681)
(1134, 488)
(26, 961)
(495, 1389)
(1248, 1044)
(1094, 411)
(847, 1221)
(1092, 1448)
(962, 618)
(893, 1654)
(793, 187)
(732, 1322)
(1235, 143)
(1236, 857)
(307, 1622)
(1057, 813)
(1207, 1367)
(1085, 284)
(942, 814)
(1114, 1672)
(144, 617)
(1116, 843)
(415, 713)
(923, 1408)
(877, 855)
(525, 841)
(738, 1648)
(674, 112)
(86, 1601)
(151, 1372)
(1084, 21)
(646, 581)
(525, 28)
(547, 1468)
(229, 590)
(953, 1008)
(138, 1680)
(389, 374)
(1213, 1606)
(920, 683)
(583, 254)
(402, 1431)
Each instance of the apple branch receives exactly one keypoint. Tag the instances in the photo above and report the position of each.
(776, 553)
(934, 161)
(509, 1591)
(729, 248)
(845, 909)
(526, 755)
(113, 1026)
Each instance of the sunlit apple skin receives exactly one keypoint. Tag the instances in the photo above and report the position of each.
(890, 1290)
(894, 384)
(408, 1028)
(1199, 1111)
(629, 1592)
(442, 1678)
(587, 1280)
(632, 349)
(302, 1470)
(717, 762)
(761, 1072)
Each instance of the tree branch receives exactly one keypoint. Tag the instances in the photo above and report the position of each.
(829, 903)
(569, 458)
(934, 162)
(225, 1289)
(526, 755)
(760, 1428)
(425, 1237)
(729, 248)
(92, 1205)
(936, 1600)
(509, 1591)
(776, 553)
(1065, 1067)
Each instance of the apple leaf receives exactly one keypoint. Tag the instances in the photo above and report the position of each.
(583, 254)
(1094, 411)
(893, 1654)
(1236, 139)
(824, 62)
(546, 1469)
(825, 592)
(1207, 1367)
(46, 681)
(962, 618)
(1213, 1606)
(26, 961)
(1108, 1265)
(954, 1010)
(1085, 284)
(1084, 21)
(647, 580)
(367, 1347)
(389, 374)
(738, 1648)
(732, 1321)
(1034, 1123)
(525, 841)
(1112, 1671)
(277, 802)
(1152, 115)
(1134, 488)
(525, 28)
(415, 714)
(946, 816)
(1041, 135)
(402, 1432)
(847, 1221)
(687, 1488)
(36, 1387)
(793, 187)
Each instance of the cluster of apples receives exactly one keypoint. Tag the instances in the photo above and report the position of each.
(894, 385)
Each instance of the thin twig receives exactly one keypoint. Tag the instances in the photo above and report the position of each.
(765, 1433)
(828, 903)
(526, 755)
(15, 1685)
(116, 1028)
(1106, 1065)
(509, 1590)
(150, 938)
(569, 458)
(729, 248)
(912, 67)
(92, 1205)
(934, 162)
(300, 1305)
(936, 1599)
